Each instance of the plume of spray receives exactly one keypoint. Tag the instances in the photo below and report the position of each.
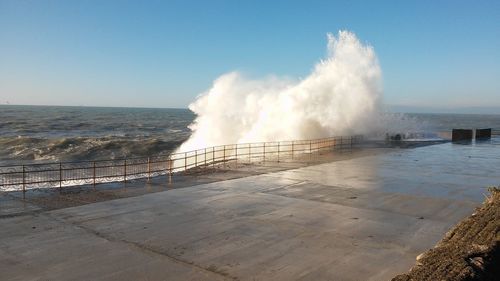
(341, 96)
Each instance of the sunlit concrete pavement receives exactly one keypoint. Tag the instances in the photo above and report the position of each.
(358, 219)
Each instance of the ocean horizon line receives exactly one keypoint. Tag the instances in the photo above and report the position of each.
(90, 106)
(469, 110)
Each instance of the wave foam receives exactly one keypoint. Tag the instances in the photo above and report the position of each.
(342, 96)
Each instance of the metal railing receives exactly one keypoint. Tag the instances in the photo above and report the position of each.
(61, 174)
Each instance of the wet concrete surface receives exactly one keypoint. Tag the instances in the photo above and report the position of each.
(364, 217)
(14, 203)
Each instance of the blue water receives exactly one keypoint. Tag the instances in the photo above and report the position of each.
(54, 133)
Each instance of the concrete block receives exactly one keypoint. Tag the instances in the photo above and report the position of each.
(461, 135)
(483, 133)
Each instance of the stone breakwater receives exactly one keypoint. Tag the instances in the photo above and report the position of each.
(469, 251)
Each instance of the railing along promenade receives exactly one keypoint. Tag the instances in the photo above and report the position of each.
(61, 174)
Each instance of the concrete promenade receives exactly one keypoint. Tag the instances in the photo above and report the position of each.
(362, 218)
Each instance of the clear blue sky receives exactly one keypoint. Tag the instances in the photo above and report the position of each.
(164, 53)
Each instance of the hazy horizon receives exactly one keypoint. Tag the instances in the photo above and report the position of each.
(390, 108)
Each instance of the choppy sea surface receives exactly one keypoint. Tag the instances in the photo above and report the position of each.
(448, 121)
(55, 133)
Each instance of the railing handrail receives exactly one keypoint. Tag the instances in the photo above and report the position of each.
(51, 174)
(165, 155)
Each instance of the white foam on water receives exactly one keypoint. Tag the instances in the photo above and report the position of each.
(341, 96)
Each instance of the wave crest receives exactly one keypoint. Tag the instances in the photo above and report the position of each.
(341, 96)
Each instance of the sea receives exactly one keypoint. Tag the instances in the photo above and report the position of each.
(37, 134)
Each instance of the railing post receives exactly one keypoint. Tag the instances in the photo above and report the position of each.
(278, 152)
(341, 143)
(125, 171)
(224, 157)
(93, 177)
(24, 180)
(249, 153)
(205, 158)
(60, 176)
(169, 169)
(236, 156)
(310, 149)
(149, 169)
(213, 157)
(264, 152)
(292, 148)
(185, 162)
(196, 158)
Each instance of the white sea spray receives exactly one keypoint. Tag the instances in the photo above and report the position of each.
(341, 96)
